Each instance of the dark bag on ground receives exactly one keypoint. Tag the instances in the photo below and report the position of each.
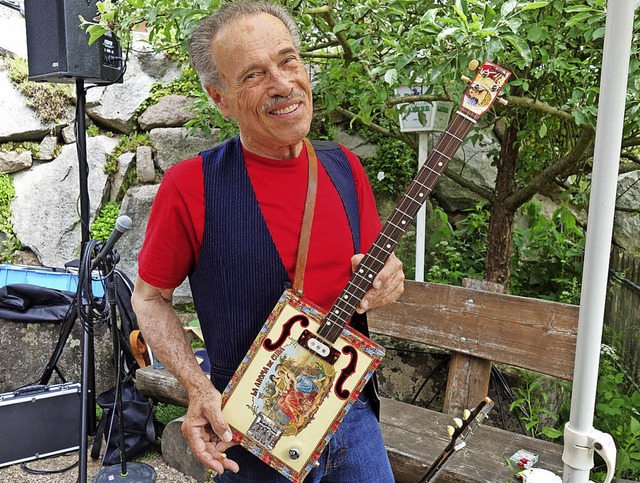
(141, 429)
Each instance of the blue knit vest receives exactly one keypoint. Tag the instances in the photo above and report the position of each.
(239, 276)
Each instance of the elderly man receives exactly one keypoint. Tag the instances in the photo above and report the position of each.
(230, 219)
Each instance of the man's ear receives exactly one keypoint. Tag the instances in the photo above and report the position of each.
(219, 100)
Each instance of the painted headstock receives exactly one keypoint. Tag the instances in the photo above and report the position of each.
(482, 91)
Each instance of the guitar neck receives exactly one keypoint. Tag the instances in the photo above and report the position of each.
(458, 439)
(397, 224)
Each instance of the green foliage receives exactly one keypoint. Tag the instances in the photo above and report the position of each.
(103, 225)
(548, 256)
(392, 168)
(50, 101)
(7, 192)
(93, 131)
(33, 147)
(457, 253)
(208, 118)
(187, 85)
(165, 413)
(531, 406)
(616, 413)
(125, 144)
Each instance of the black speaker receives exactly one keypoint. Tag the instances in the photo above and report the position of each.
(58, 49)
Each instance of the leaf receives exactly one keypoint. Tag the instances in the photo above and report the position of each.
(576, 19)
(534, 6)
(341, 26)
(508, 7)
(542, 132)
(489, 15)
(521, 46)
(552, 432)
(391, 76)
(447, 33)
(330, 101)
(95, 32)
(458, 8)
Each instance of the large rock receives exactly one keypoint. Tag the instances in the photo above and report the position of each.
(173, 144)
(14, 161)
(171, 111)
(18, 122)
(473, 163)
(13, 32)
(114, 106)
(137, 205)
(360, 146)
(45, 208)
(27, 348)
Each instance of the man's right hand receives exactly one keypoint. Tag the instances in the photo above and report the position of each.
(204, 427)
(206, 431)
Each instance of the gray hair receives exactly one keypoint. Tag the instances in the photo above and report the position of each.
(200, 43)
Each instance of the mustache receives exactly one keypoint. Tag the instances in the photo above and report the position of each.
(274, 101)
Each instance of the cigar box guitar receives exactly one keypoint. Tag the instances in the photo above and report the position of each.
(306, 368)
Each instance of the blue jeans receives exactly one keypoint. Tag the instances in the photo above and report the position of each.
(355, 454)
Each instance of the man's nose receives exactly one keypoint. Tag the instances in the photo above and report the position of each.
(280, 83)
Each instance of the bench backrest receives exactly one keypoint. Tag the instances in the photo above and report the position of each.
(529, 333)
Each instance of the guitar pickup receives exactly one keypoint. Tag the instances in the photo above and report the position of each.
(313, 343)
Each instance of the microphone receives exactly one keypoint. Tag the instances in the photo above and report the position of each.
(123, 224)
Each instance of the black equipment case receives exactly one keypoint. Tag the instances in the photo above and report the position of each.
(39, 421)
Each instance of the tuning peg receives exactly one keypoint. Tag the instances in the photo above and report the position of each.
(465, 414)
(457, 422)
(473, 64)
(503, 101)
(450, 430)
(465, 78)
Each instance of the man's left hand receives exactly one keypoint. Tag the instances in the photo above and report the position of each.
(387, 286)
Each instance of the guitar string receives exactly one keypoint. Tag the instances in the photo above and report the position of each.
(395, 227)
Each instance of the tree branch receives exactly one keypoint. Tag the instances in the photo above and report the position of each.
(377, 128)
(465, 183)
(540, 106)
(348, 53)
(583, 145)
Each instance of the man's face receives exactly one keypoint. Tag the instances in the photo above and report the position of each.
(268, 91)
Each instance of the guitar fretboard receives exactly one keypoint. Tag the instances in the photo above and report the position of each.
(397, 224)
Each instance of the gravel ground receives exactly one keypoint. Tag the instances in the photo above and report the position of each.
(16, 474)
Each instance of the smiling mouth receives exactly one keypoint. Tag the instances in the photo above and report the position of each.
(286, 110)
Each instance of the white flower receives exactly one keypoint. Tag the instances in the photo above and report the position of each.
(380, 175)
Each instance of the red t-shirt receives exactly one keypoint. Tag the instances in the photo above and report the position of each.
(176, 224)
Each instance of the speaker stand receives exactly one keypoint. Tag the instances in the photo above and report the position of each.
(124, 472)
(135, 473)
(88, 411)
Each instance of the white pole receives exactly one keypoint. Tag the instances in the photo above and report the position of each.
(421, 217)
(578, 452)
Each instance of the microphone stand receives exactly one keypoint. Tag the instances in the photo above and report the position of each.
(134, 472)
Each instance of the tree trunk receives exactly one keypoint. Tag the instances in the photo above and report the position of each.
(500, 236)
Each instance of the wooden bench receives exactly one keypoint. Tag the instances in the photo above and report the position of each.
(478, 327)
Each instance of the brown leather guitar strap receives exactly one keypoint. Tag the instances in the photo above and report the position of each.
(307, 218)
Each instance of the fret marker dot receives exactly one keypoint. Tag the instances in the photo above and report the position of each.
(361, 271)
(421, 195)
(346, 297)
(337, 312)
(388, 245)
(440, 163)
(404, 222)
(370, 276)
